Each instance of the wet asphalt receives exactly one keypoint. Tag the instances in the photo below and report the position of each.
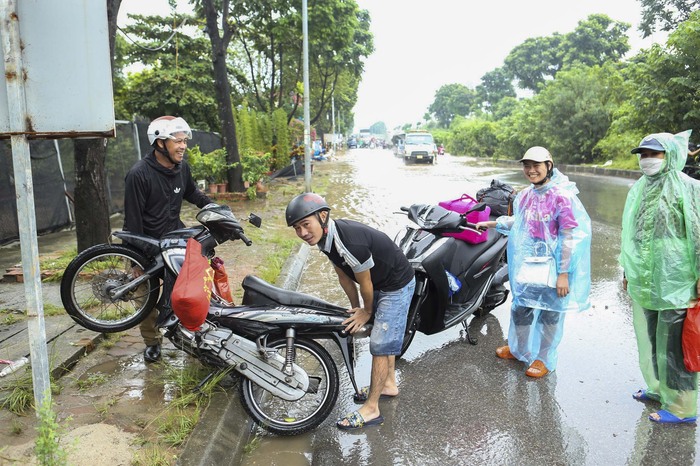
(459, 404)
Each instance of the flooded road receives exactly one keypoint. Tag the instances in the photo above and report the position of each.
(459, 404)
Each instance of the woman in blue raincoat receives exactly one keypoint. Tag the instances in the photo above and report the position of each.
(549, 264)
(660, 256)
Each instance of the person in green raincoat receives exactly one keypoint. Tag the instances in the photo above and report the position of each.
(660, 256)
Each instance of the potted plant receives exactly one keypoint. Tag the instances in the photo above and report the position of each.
(197, 162)
(255, 167)
(215, 161)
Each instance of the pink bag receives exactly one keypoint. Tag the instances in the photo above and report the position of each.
(462, 205)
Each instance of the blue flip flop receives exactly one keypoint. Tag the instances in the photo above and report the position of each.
(356, 421)
(364, 392)
(641, 395)
(667, 418)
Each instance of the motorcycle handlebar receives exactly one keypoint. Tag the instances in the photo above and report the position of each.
(245, 239)
(472, 227)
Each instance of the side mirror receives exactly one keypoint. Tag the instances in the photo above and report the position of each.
(255, 220)
(477, 208)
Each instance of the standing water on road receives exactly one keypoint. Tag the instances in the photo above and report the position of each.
(459, 404)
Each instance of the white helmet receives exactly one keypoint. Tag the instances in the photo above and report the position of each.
(537, 154)
(165, 126)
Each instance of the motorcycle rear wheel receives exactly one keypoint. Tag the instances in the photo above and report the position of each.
(295, 417)
(88, 280)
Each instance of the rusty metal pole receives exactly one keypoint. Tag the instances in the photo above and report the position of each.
(15, 76)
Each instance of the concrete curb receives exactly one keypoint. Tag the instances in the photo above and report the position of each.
(580, 169)
(66, 343)
(293, 268)
(224, 429)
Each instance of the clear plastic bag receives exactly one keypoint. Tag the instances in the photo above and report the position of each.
(538, 271)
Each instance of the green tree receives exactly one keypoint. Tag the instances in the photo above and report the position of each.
(90, 195)
(576, 109)
(594, 41)
(220, 30)
(495, 86)
(665, 15)
(534, 61)
(176, 81)
(664, 84)
(282, 146)
(452, 100)
(267, 33)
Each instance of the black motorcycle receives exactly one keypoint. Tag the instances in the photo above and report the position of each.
(454, 279)
(289, 381)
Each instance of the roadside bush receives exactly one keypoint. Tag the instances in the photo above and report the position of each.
(617, 147)
(475, 137)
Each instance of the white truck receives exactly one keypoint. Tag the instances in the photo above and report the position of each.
(418, 146)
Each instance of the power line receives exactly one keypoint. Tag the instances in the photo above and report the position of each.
(149, 48)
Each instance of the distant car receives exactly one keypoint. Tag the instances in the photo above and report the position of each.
(352, 143)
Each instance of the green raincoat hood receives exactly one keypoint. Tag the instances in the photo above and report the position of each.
(660, 251)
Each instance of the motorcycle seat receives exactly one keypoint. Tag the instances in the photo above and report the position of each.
(258, 291)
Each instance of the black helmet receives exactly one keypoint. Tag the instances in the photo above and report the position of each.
(304, 205)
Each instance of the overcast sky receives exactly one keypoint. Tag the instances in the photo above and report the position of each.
(421, 45)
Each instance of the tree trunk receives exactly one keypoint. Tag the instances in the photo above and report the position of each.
(91, 203)
(219, 47)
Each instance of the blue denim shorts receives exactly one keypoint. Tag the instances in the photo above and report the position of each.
(390, 312)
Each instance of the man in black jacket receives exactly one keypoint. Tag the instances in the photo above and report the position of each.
(155, 188)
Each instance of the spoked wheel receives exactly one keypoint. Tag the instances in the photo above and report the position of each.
(91, 278)
(295, 417)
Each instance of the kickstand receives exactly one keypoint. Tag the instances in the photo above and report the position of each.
(470, 339)
(206, 379)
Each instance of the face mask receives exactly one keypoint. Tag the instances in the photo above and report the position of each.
(651, 167)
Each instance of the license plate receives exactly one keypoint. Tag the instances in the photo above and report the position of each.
(419, 156)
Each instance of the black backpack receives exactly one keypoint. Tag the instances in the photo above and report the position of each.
(499, 196)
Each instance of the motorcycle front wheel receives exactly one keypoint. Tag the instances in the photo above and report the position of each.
(412, 322)
(283, 417)
(88, 280)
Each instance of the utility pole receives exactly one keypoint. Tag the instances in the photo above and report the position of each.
(333, 120)
(307, 117)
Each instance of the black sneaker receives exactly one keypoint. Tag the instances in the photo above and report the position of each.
(152, 353)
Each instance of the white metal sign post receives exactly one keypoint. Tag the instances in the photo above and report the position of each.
(16, 103)
(55, 57)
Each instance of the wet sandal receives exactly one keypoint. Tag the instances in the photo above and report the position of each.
(641, 395)
(503, 352)
(356, 421)
(364, 393)
(667, 418)
(537, 369)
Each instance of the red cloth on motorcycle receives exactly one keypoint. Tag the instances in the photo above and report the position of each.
(691, 339)
(221, 279)
(192, 290)
(462, 205)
